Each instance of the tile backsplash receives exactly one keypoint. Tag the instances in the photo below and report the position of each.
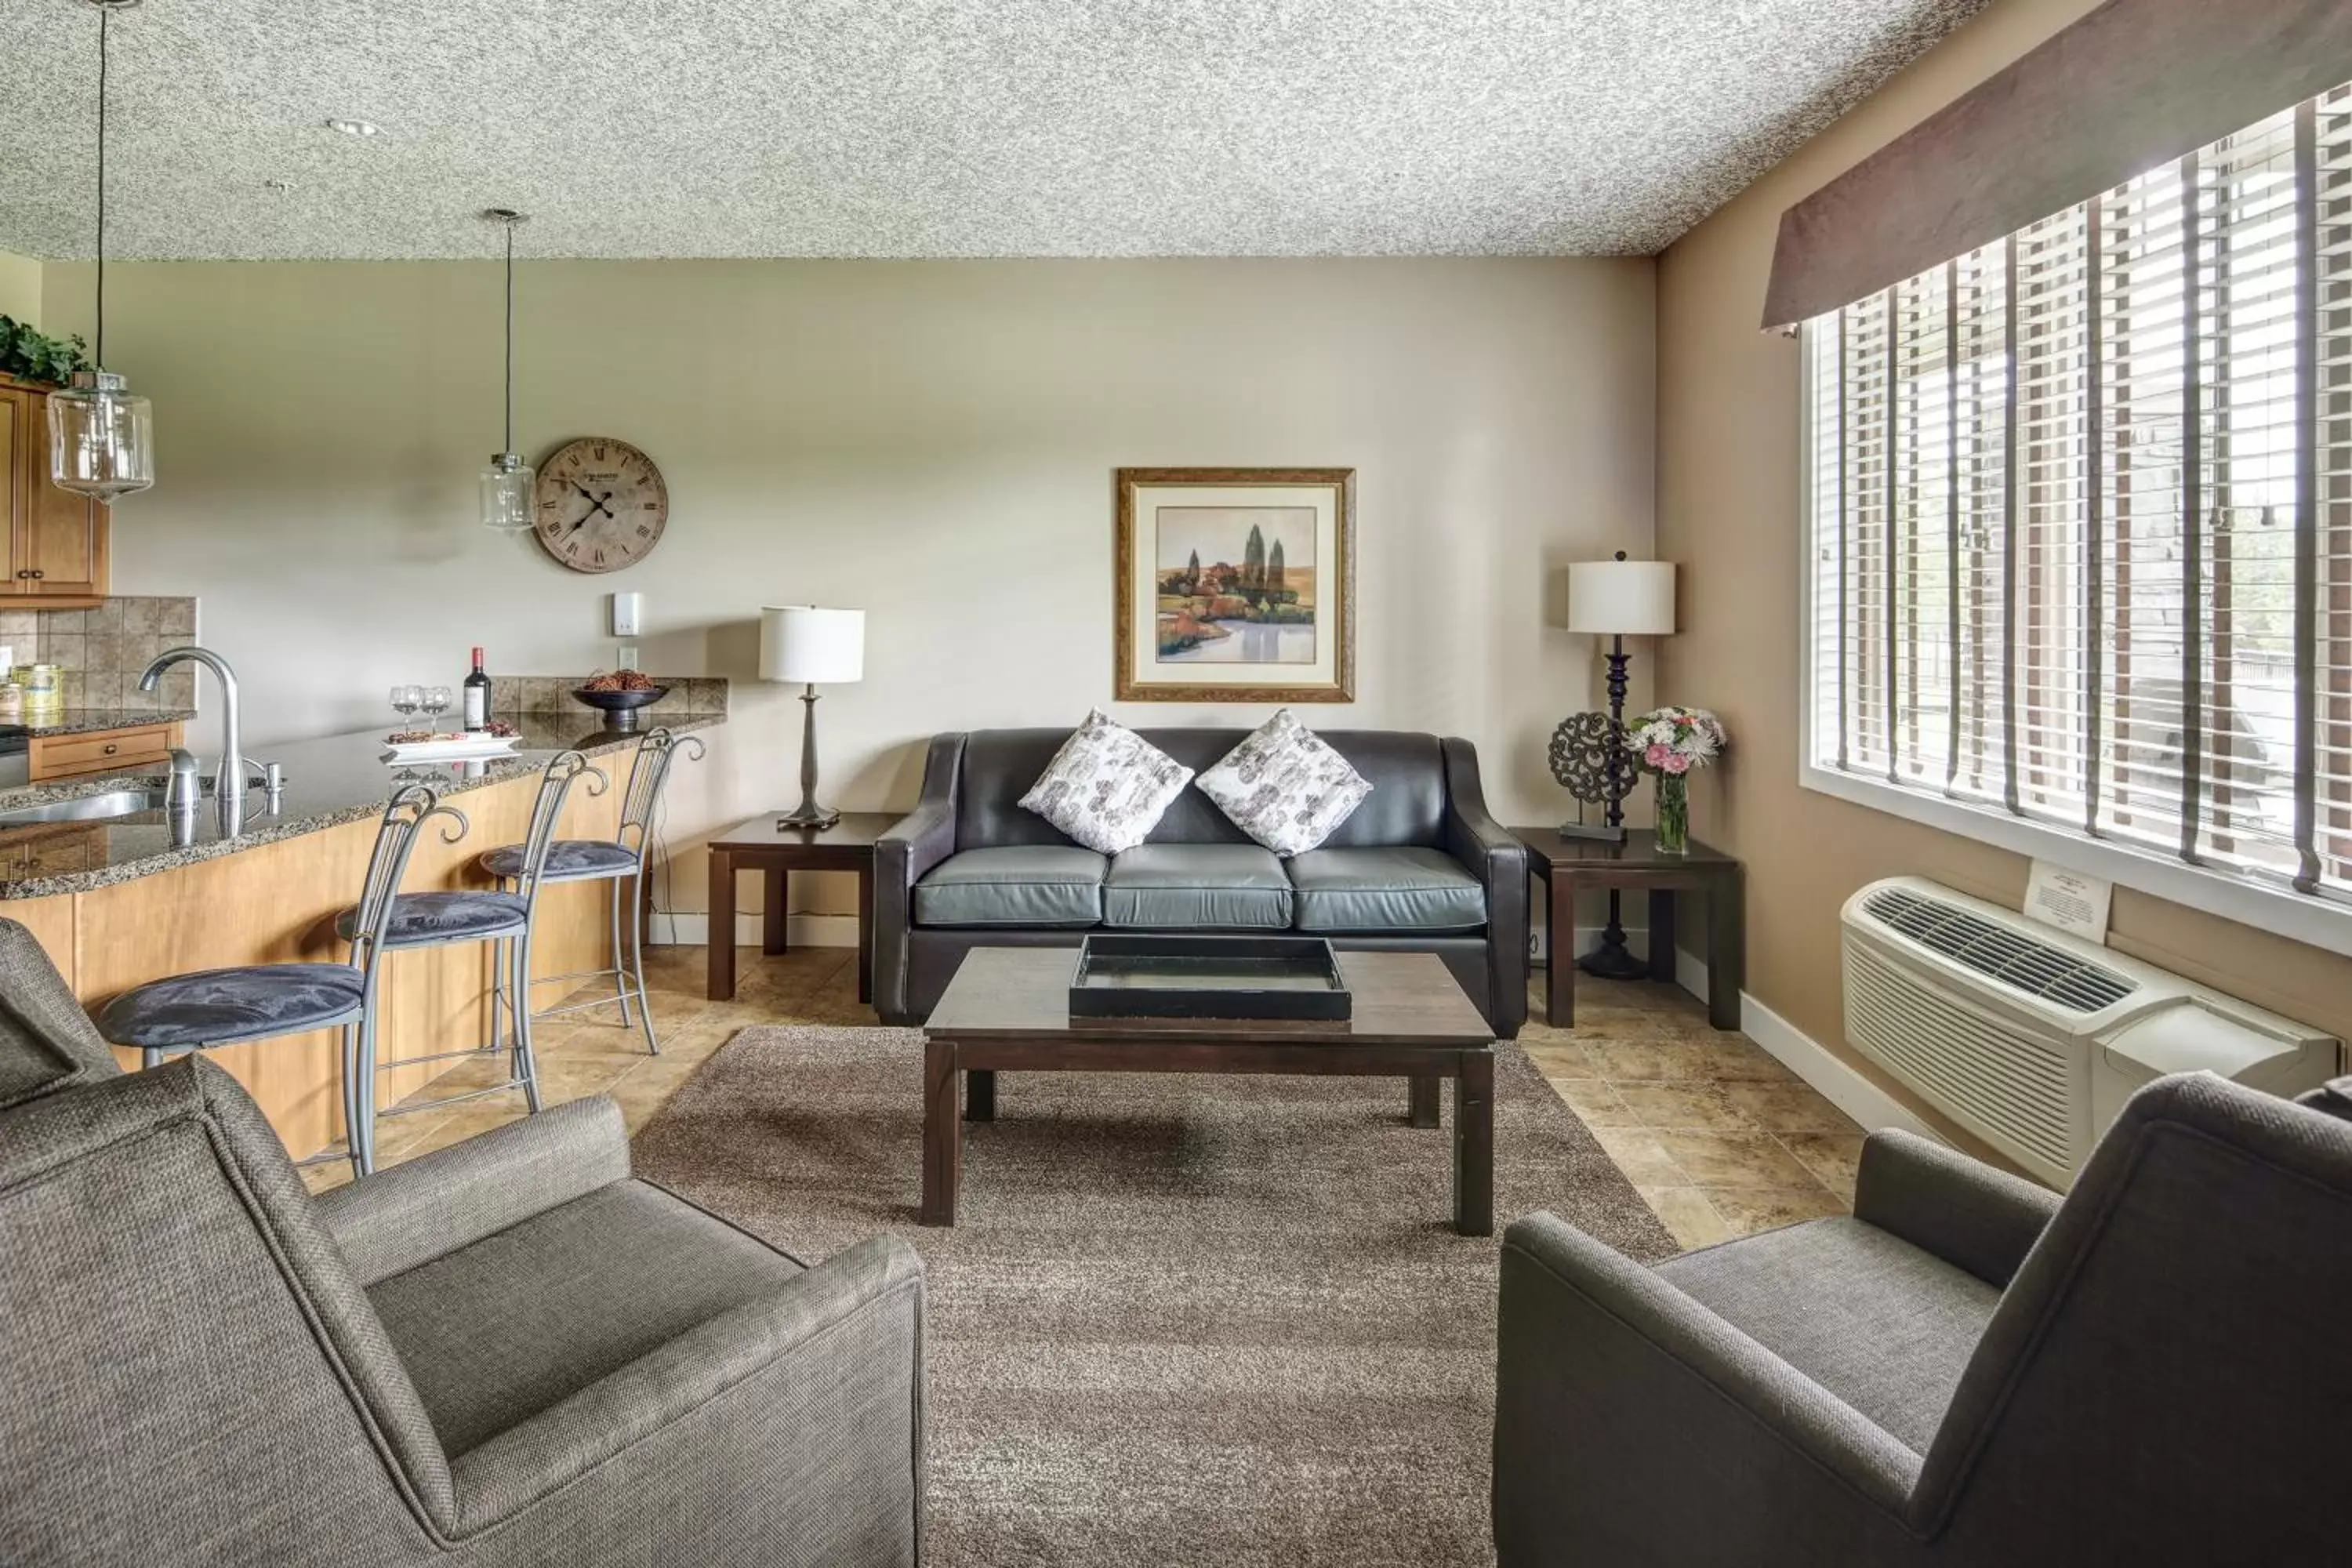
(552, 694)
(100, 653)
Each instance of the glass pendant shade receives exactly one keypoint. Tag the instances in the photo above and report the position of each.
(101, 437)
(506, 493)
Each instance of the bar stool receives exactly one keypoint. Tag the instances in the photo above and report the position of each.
(215, 1007)
(500, 917)
(626, 858)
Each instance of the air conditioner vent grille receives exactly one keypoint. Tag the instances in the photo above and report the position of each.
(2021, 1092)
(2018, 961)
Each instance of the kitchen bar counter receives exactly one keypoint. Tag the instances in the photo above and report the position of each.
(327, 782)
(88, 720)
(116, 904)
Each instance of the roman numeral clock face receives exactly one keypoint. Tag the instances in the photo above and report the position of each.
(601, 504)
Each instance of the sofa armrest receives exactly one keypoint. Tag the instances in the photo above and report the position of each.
(822, 1379)
(1632, 1425)
(916, 842)
(412, 1213)
(1965, 1212)
(1499, 861)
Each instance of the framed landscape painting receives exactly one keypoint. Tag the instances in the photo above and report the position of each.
(1235, 586)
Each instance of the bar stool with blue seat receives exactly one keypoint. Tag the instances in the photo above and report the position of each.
(626, 858)
(501, 916)
(215, 1007)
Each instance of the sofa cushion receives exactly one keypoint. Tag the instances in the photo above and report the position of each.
(1107, 786)
(1399, 888)
(1182, 885)
(498, 1331)
(1884, 1325)
(1284, 788)
(1018, 885)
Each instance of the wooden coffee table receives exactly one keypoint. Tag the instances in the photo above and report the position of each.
(1008, 1010)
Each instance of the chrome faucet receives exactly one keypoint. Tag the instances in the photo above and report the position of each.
(228, 783)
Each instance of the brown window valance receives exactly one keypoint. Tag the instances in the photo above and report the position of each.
(2131, 85)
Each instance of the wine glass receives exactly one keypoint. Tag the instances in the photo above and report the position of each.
(407, 700)
(436, 704)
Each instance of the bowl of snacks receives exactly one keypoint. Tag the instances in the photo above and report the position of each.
(618, 694)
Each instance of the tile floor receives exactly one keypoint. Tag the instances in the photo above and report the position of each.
(1717, 1137)
(1715, 1134)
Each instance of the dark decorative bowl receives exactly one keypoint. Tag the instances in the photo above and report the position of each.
(620, 708)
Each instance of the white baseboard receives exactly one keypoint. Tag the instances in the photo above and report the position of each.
(693, 929)
(1837, 1081)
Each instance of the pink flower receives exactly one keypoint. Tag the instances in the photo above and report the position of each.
(1656, 756)
(1676, 763)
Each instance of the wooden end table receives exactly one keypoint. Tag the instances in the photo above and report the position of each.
(1569, 864)
(761, 845)
(1007, 1009)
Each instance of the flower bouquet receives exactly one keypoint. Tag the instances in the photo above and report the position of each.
(1669, 743)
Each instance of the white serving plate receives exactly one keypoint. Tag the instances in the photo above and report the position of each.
(450, 750)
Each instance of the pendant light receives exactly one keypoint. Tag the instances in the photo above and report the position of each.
(507, 482)
(101, 437)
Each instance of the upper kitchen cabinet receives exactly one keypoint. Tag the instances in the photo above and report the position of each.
(57, 540)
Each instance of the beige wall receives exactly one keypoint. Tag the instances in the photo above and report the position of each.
(931, 441)
(1728, 499)
(20, 289)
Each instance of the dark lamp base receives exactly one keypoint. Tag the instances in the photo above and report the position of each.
(1613, 960)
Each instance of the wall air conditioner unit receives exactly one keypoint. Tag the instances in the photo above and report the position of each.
(2031, 1038)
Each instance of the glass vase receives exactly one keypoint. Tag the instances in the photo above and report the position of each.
(1674, 813)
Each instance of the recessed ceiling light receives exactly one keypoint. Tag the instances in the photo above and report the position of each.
(355, 127)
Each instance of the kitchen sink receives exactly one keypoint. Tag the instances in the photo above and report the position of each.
(85, 808)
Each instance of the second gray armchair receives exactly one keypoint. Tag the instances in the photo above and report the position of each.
(1967, 1372)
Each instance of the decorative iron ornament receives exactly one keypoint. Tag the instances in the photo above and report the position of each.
(1588, 759)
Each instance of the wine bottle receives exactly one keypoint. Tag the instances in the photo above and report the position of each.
(477, 698)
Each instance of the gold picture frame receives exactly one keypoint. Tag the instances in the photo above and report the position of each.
(1268, 616)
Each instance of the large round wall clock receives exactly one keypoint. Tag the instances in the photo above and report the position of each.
(601, 504)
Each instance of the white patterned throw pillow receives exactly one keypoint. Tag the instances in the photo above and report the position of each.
(1107, 786)
(1285, 787)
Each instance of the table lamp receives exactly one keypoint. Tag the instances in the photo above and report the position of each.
(809, 646)
(1617, 599)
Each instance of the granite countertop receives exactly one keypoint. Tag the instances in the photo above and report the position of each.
(88, 720)
(329, 782)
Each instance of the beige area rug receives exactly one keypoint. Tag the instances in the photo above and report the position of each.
(1183, 1319)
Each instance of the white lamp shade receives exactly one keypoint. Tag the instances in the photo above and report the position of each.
(1621, 598)
(812, 647)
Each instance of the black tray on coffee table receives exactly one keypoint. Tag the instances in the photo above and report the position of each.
(1144, 976)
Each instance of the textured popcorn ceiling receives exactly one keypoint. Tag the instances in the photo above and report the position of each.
(679, 128)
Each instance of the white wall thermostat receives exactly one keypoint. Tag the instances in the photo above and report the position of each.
(628, 615)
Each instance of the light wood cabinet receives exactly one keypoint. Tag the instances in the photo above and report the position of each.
(57, 540)
(54, 757)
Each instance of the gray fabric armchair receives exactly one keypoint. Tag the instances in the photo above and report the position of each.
(1967, 1372)
(509, 1352)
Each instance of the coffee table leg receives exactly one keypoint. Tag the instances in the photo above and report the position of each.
(942, 1133)
(1474, 1144)
(980, 1094)
(1421, 1101)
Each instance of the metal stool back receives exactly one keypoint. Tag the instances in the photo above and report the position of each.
(217, 1007)
(510, 938)
(626, 858)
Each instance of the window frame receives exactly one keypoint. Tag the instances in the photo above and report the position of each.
(2322, 919)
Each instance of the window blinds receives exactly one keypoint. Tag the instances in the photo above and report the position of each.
(2082, 506)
